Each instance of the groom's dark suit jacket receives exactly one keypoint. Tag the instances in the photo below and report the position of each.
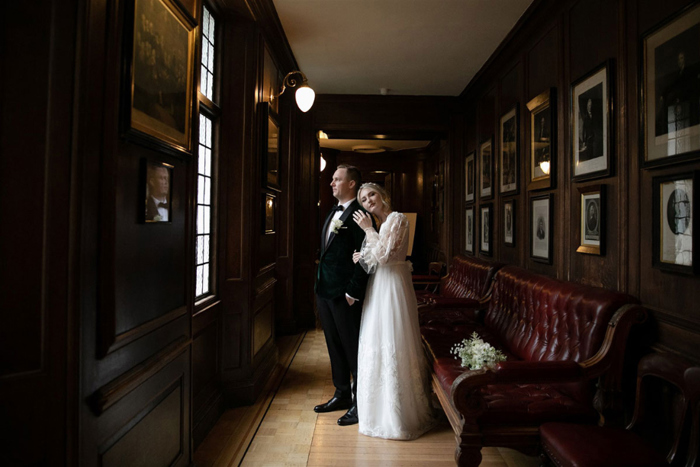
(337, 274)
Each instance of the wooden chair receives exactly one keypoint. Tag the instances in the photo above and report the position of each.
(669, 439)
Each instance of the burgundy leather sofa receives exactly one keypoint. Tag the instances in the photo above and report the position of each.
(560, 339)
(655, 437)
(463, 290)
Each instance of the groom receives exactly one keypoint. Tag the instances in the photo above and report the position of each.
(340, 288)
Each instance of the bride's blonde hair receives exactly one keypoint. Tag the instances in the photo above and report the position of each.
(386, 201)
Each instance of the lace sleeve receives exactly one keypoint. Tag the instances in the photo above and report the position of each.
(377, 248)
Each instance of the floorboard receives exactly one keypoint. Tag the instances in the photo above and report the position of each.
(282, 429)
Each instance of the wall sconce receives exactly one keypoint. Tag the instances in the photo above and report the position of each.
(304, 96)
(544, 165)
(323, 163)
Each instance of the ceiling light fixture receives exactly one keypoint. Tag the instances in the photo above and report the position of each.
(305, 95)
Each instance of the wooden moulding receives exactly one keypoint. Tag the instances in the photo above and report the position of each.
(112, 392)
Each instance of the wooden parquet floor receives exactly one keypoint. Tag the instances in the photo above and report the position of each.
(283, 430)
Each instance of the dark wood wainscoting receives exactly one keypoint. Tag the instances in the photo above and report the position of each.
(556, 44)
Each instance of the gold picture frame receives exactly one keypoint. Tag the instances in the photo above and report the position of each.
(160, 76)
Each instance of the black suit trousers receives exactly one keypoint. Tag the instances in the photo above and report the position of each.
(341, 326)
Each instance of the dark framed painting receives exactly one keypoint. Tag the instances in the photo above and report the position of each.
(592, 220)
(674, 214)
(159, 76)
(543, 132)
(591, 124)
(509, 222)
(470, 176)
(156, 192)
(486, 169)
(671, 90)
(269, 214)
(508, 172)
(486, 226)
(270, 148)
(469, 240)
(541, 228)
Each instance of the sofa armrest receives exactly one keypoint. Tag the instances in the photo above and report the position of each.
(606, 364)
(466, 389)
(538, 372)
(446, 302)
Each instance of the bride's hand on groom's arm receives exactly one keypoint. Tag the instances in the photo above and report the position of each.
(356, 257)
(362, 219)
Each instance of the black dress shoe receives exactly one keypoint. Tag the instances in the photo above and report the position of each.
(350, 418)
(334, 404)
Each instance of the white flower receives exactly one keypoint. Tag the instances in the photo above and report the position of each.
(336, 225)
(476, 354)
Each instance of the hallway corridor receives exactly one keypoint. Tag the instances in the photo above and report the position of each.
(292, 434)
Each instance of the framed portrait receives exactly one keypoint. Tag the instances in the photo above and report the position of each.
(509, 222)
(543, 132)
(541, 229)
(470, 176)
(486, 166)
(486, 224)
(160, 74)
(592, 220)
(469, 240)
(591, 124)
(508, 173)
(675, 245)
(671, 90)
(156, 192)
(269, 214)
(270, 148)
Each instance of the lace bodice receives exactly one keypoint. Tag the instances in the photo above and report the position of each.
(388, 245)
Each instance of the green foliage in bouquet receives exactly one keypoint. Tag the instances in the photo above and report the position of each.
(476, 354)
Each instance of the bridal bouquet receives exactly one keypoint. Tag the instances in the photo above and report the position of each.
(476, 354)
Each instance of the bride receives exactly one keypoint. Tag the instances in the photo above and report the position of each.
(393, 381)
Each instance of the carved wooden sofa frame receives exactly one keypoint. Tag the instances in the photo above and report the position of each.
(525, 307)
(465, 290)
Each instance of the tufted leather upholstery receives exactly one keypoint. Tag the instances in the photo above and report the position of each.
(465, 288)
(538, 318)
(568, 444)
(546, 328)
(469, 277)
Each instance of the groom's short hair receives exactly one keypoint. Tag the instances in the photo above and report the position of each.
(353, 173)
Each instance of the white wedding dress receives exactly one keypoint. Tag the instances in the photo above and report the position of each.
(393, 381)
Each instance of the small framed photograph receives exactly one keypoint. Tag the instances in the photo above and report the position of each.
(269, 213)
(671, 90)
(591, 124)
(486, 163)
(270, 145)
(469, 241)
(541, 229)
(675, 211)
(156, 190)
(158, 106)
(543, 133)
(592, 220)
(509, 154)
(486, 224)
(509, 222)
(470, 174)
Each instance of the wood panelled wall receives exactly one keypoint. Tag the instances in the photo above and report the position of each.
(38, 337)
(106, 357)
(394, 117)
(555, 44)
